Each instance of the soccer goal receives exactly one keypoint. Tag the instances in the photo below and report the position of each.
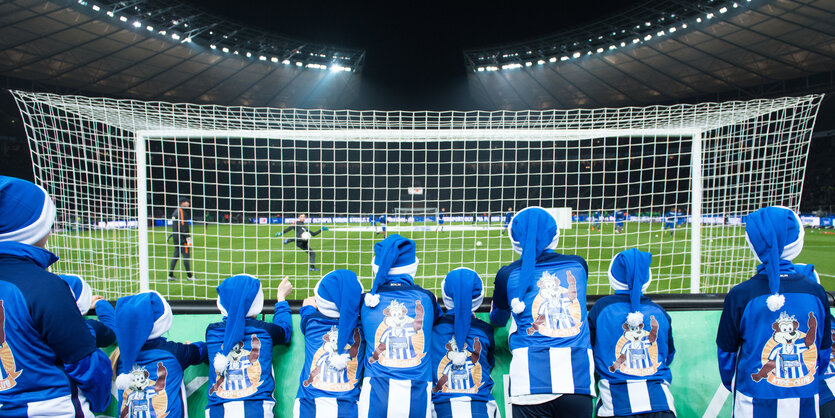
(117, 169)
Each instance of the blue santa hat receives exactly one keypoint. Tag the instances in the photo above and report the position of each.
(28, 211)
(463, 288)
(238, 297)
(393, 256)
(532, 231)
(775, 235)
(81, 291)
(629, 272)
(139, 318)
(338, 295)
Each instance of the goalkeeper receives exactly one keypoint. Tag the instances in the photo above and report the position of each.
(302, 239)
(181, 233)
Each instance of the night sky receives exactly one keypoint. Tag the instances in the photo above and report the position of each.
(414, 50)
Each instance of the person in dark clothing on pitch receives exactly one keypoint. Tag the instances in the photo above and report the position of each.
(181, 233)
(303, 236)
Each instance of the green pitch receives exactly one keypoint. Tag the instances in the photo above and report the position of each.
(224, 250)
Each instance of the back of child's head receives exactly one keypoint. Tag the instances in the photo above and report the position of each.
(463, 292)
(238, 298)
(532, 232)
(338, 295)
(629, 272)
(394, 258)
(775, 236)
(81, 291)
(139, 318)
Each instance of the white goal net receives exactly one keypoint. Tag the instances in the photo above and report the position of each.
(673, 180)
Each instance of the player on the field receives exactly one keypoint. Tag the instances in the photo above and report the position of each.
(597, 221)
(633, 343)
(546, 293)
(462, 351)
(334, 349)
(440, 220)
(47, 355)
(150, 380)
(620, 217)
(774, 335)
(507, 217)
(397, 321)
(670, 221)
(181, 233)
(85, 300)
(382, 220)
(241, 382)
(302, 239)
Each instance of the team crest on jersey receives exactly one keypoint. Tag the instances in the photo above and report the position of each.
(8, 368)
(636, 350)
(243, 372)
(556, 310)
(789, 357)
(465, 378)
(323, 375)
(399, 339)
(145, 398)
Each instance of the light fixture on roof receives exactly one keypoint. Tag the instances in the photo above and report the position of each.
(187, 40)
(286, 62)
(149, 28)
(299, 64)
(110, 13)
(273, 59)
(622, 44)
(735, 5)
(248, 54)
(611, 47)
(684, 26)
(552, 59)
(262, 58)
(528, 64)
(660, 33)
(96, 7)
(710, 16)
(698, 20)
(480, 69)
(123, 18)
(540, 62)
(636, 40)
(137, 24)
(175, 36)
(673, 29)
(599, 50)
(576, 54)
(648, 37)
(723, 10)
(225, 49)
(564, 58)
(213, 46)
(162, 32)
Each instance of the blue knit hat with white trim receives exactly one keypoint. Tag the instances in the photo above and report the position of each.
(532, 231)
(338, 295)
(774, 233)
(463, 292)
(28, 211)
(393, 256)
(238, 298)
(81, 291)
(139, 318)
(629, 272)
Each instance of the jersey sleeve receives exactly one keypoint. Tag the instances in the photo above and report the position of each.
(104, 336)
(189, 354)
(93, 375)
(304, 313)
(500, 311)
(728, 338)
(281, 328)
(671, 348)
(56, 318)
(288, 229)
(106, 314)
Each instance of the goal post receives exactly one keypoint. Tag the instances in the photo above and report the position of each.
(117, 168)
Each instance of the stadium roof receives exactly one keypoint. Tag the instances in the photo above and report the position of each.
(167, 50)
(663, 51)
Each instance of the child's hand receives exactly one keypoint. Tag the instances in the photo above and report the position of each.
(311, 301)
(96, 298)
(284, 289)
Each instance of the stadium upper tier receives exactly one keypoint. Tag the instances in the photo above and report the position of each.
(664, 51)
(167, 50)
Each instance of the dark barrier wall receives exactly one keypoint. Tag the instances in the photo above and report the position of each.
(695, 371)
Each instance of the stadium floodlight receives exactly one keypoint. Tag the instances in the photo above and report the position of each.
(299, 64)
(253, 163)
(576, 54)
(672, 29)
(149, 28)
(684, 26)
(710, 15)
(540, 62)
(96, 7)
(528, 64)
(286, 62)
(723, 10)
(648, 37)
(212, 46)
(262, 58)
(110, 13)
(636, 40)
(225, 49)
(136, 24)
(552, 59)
(248, 54)
(123, 18)
(274, 59)
(600, 50)
(698, 20)
(623, 44)
(175, 36)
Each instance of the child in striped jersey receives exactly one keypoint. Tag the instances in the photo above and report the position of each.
(333, 345)
(150, 382)
(552, 371)
(241, 382)
(397, 320)
(633, 344)
(462, 352)
(773, 338)
(827, 381)
(102, 329)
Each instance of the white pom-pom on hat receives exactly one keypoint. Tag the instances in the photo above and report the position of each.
(634, 319)
(221, 363)
(123, 381)
(340, 361)
(517, 305)
(372, 300)
(458, 358)
(775, 302)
